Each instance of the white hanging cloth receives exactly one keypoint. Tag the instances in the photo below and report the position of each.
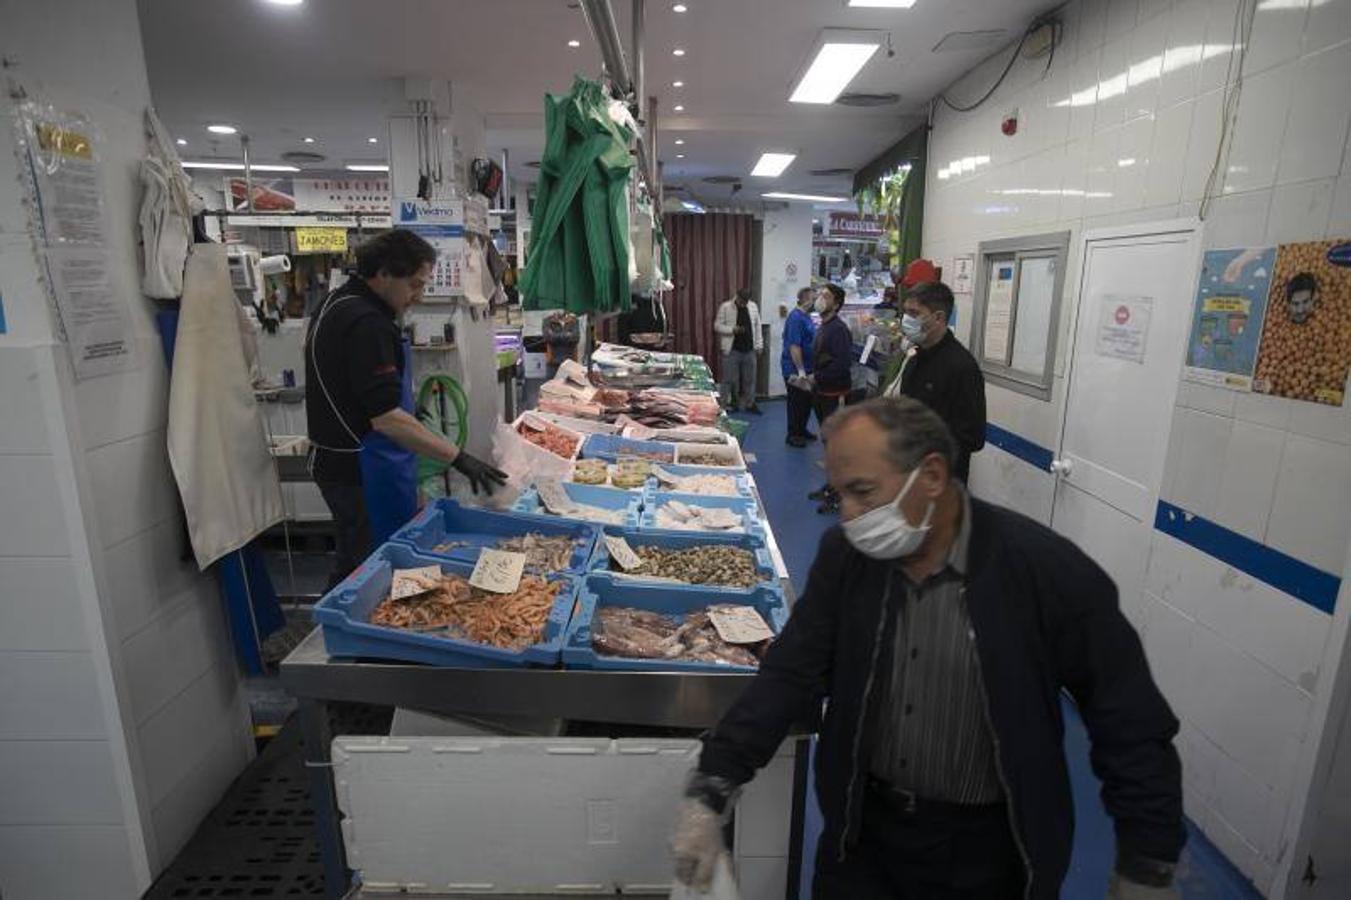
(168, 204)
(217, 443)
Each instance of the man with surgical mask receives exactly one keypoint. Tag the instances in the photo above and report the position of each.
(942, 630)
(942, 374)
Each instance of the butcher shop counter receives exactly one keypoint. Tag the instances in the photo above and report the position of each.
(642, 700)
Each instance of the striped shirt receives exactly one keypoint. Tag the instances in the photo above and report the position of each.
(934, 738)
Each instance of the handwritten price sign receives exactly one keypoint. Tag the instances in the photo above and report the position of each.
(498, 571)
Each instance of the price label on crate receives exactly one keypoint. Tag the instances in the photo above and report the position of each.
(622, 553)
(498, 571)
(739, 624)
(554, 498)
(664, 476)
(411, 582)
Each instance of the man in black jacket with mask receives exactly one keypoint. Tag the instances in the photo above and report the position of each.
(942, 630)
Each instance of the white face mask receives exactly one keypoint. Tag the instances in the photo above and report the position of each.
(912, 327)
(885, 533)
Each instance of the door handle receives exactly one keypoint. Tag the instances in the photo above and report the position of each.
(1062, 467)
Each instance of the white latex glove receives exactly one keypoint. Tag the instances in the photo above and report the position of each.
(1124, 889)
(696, 843)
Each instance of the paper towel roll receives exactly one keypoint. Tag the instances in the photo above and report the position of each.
(275, 265)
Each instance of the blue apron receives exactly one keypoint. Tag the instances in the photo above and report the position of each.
(388, 471)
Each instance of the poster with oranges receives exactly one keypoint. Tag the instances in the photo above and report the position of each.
(1305, 351)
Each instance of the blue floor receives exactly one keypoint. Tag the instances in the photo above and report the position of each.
(785, 475)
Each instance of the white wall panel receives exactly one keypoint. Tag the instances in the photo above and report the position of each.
(122, 406)
(1329, 23)
(1311, 515)
(133, 486)
(173, 651)
(41, 862)
(1276, 32)
(49, 696)
(1319, 112)
(1248, 480)
(58, 783)
(1300, 212)
(41, 605)
(21, 410)
(29, 483)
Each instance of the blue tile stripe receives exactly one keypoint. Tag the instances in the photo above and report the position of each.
(1034, 455)
(1285, 573)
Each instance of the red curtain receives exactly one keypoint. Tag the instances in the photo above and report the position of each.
(711, 256)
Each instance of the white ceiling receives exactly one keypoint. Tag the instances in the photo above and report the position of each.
(330, 69)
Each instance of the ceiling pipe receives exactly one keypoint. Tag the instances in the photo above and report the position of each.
(600, 18)
(639, 57)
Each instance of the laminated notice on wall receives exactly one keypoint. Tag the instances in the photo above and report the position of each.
(1123, 327)
(66, 172)
(96, 320)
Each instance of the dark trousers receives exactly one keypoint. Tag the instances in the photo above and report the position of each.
(799, 411)
(347, 502)
(935, 852)
(824, 405)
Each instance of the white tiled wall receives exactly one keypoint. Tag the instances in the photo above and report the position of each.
(787, 239)
(1122, 128)
(114, 656)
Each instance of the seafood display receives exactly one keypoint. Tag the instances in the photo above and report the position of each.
(591, 471)
(542, 553)
(598, 514)
(706, 459)
(707, 485)
(449, 604)
(641, 634)
(685, 517)
(550, 437)
(706, 564)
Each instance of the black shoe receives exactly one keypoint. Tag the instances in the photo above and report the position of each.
(808, 436)
(794, 440)
(754, 410)
(829, 508)
(820, 493)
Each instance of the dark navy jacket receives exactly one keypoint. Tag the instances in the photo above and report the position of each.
(1046, 620)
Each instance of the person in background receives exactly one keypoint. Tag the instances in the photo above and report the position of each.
(358, 399)
(738, 329)
(799, 331)
(942, 631)
(833, 357)
(942, 373)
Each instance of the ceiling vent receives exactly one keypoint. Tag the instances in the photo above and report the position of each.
(831, 173)
(721, 179)
(967, 41)
(303, 157)
(860, 99)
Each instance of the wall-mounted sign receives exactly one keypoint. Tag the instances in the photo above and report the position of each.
(854, 225)
(963, 271)
(321, 240)
(1306, 344)
(1227, 316)
(1123, 327)
(367, 194)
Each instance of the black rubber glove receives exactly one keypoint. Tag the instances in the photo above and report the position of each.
(479, 473)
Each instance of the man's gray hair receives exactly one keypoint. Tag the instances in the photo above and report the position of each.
(913, 430)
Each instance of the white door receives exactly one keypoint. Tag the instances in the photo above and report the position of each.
(1134, 313)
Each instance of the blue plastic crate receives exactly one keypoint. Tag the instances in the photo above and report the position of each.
(604, 590)
(680, 540)
(445, 521)
(752, 521)
(345, 613)
(743, 481)
(631, 502)
(611, 447)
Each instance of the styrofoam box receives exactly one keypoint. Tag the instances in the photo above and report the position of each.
(510, 815)
(580, 438)
(581, 426)
(730, 452)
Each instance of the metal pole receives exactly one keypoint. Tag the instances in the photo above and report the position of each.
(248, 170)
(505, 201)
(600, 16)
(639, 56)
(653, 154)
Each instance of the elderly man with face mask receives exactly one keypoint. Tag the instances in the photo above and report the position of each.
(941, 630)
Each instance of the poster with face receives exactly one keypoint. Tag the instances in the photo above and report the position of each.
(1306, 340)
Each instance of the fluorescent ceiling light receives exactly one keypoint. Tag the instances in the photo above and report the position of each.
(679, 108)
(574, 43)
(286, 2)
(808, 198)
(839, 56)
(222, 129)
(680, 156)
(678, 52)
(677, 84)
(238, 167)
(880, 4)
(309, 140)
(771, 165)
(680, 7)
(372, 167)
(680, 142)
(372, 140)
(181, 142)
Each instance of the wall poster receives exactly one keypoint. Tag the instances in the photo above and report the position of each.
(1123, 327)
(1306, 341)
(1231, 302)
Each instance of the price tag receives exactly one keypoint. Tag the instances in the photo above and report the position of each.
(739, 624)
(498, 571)
(868, 346)
(622, 553)
(573, 371)
(411, 582)
(664, 476)
(554, 498)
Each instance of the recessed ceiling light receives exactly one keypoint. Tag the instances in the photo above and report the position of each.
(286, 2)
(771, 165)
(677, 84)
(222, 129)
(880, 4)
(839, 56)
(181, 142)
(680, 142)
(574, 43)
(809, 198)
(679, 51)
(372, 140)
(679, 108)
(309, 140)
(238, 167)
(680, 7)
(680, 156)
(371, 167)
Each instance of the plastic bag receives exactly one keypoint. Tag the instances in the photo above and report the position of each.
(523, 461)
(723, 887)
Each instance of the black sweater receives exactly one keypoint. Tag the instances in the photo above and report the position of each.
(947, 379)
(1046, 619)
(833, 357)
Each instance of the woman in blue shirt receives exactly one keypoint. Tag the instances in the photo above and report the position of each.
(799, 331)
